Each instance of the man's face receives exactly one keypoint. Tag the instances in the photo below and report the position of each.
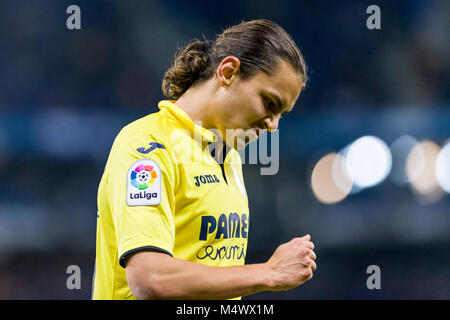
(257, 103)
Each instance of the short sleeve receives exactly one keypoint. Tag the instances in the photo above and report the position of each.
(141, 183)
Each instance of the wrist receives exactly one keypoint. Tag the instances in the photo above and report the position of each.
(262, 272)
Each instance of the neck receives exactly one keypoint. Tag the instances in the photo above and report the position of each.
(196, 103)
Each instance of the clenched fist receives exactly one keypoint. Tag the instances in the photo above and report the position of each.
(292, 264)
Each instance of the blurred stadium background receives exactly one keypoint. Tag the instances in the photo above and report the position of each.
(383, 200)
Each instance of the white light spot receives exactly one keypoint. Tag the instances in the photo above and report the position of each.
(368, 161)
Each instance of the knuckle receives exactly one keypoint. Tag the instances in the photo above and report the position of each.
(301, 254)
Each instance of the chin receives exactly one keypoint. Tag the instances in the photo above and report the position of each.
(242, 143)
(237, 143)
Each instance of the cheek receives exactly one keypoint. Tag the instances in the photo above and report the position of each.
(243, 107)
(237, 119)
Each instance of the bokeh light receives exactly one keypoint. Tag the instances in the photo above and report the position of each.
(328, 182)
(421, 167)
(368, 161)
(442, 170)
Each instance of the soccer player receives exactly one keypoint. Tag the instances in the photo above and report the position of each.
(173, 218)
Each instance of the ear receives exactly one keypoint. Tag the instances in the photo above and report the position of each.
(228, 70)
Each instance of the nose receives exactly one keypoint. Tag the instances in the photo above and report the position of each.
(271, 123)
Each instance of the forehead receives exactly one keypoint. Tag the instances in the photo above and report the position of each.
(284, 82)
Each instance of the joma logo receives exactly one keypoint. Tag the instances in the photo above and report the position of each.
(207, 178)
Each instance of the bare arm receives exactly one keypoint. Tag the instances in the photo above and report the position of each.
(156, 275)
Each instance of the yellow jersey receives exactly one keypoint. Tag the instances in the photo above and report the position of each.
(164, 188)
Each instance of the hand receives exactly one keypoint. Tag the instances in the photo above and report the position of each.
(292, 264)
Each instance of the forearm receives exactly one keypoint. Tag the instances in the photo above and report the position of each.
(180, 279)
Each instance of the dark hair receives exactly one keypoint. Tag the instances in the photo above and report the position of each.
(258, 44)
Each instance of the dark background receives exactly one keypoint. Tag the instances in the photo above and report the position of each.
(65, 94)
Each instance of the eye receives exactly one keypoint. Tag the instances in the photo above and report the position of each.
(269, 104)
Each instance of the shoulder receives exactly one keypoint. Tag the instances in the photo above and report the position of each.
(143, 142)
(150, 127)
(149, 134)
(145, 138)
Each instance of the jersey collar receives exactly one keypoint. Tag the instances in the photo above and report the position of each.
(182, 118)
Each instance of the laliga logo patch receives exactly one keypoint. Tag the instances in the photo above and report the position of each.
(144, 183)
(143, 177)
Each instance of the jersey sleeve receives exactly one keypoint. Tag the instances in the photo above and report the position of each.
(142, 180)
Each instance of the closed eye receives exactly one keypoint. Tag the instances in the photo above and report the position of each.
(269, 104)
(273, 104)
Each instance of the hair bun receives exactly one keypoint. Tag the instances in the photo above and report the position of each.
(189, 64)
